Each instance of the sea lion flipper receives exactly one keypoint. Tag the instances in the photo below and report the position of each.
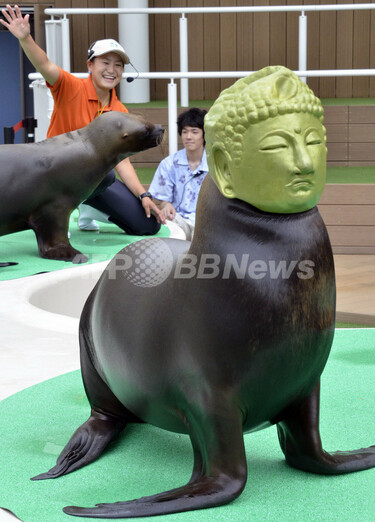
(50, 224)
(86, 444)
(64, 252)
(218, 477)
(206, 492)
(108, 416)
(301, 443)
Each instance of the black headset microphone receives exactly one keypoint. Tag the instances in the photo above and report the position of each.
(130, 79)
(91, 51)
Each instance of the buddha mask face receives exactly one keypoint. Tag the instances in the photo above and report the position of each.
(283, 166)
(276, 157)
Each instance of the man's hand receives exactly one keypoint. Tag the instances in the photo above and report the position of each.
(168, 211)
(17, 25)
(150, 208)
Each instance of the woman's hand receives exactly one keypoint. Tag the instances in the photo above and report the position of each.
(18, 25)
(150, 208)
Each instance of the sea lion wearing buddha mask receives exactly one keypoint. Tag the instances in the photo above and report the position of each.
(234, 336)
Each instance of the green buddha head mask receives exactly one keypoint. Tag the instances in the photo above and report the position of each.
(266, 143)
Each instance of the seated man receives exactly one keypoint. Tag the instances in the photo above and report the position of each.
(178, 178)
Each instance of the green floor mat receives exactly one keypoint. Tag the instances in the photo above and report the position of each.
(98, 246)
(36, 423)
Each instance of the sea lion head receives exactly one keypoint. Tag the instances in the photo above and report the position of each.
(266, 143)
(123, 134)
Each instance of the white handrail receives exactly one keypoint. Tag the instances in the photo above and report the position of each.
(174, 75)
(53, 11)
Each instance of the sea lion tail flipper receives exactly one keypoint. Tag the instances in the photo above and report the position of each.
(301, 443)
(218, 477)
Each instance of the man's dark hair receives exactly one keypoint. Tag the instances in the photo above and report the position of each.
(192, 118)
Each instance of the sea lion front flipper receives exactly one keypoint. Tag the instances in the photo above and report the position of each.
(51, 224)
(301, 443)
(63, 251)
(218, 477)
(86, 444)
(108, 416)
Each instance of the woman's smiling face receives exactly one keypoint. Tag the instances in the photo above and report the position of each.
(106, 70)
(283, 166)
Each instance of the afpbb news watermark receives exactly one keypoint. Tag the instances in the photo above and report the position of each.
(150, 262)
(209, 266)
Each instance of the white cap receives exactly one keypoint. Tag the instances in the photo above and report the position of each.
(101, 47)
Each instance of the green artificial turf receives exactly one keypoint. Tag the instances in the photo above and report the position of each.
(36, 423)
(352, 325)
(98, 246)
(334, 174)
(351, 174)
(145, 174)
(348, 101)
(163, 104)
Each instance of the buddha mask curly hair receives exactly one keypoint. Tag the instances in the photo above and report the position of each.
(267, 93)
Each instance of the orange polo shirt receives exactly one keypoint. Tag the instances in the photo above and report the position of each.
(76, 103)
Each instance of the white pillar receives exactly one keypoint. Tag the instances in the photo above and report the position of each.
(65, 40)
(184, 62)
(172, 117)
(43, 107)
(57, 42)
(302, 45)
(133, 36)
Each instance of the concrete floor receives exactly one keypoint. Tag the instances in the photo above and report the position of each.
(36, 344)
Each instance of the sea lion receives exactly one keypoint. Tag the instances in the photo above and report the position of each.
(234, 335)
(42, 183)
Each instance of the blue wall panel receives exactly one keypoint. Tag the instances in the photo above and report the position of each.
(10, 84)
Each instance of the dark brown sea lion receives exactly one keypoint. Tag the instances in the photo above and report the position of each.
(241, 351)
(231, 333)
(42, 183)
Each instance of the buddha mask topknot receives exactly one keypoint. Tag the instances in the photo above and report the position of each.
(267, 93)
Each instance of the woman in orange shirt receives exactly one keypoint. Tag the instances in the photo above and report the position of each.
(76, 103)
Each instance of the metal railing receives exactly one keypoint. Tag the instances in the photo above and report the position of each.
(172, 87)
(183, 29)
(59, 39)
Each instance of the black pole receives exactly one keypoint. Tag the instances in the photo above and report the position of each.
(8, 135)
(29, 126)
